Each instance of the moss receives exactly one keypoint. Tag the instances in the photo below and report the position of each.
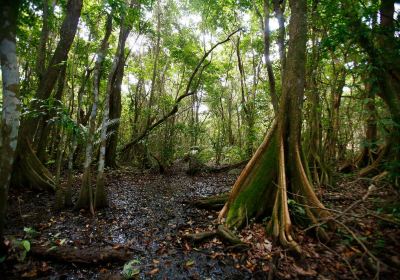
(258, 189)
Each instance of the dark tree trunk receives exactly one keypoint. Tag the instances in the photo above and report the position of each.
(385, 62)
(114, 90)
(46, 127)
(30, 170)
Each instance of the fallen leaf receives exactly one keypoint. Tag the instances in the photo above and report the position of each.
(30, 274)
(154, 271)
(302, 272)
(189, 263)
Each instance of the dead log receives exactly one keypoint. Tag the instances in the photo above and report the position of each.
(90, 255)
(215, 202)
(228, 167)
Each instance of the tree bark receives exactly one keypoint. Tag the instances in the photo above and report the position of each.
(11, 104)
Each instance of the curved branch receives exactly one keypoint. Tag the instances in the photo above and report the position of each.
(187, 93)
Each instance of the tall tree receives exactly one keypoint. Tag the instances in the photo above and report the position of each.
(381, 46)
(114, 86)
(10, 114)
(30, 169)
(277, 166)
(85, 199)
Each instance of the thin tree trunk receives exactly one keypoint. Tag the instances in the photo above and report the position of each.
(279, 7)
(246, 104)
(46, 127)
(44, 36)
(264, 23)
(114, 91)
(85, 199)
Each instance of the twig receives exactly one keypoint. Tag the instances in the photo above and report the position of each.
(378, 262)
(380, 217)
(354, 204)
(342, 258)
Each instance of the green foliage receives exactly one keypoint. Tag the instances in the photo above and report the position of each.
(30, 232)
(298, 213)
(131, 269)
(19, 248)
(57, 112)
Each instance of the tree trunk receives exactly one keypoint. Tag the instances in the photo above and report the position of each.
(114, 90)
(246, 104)
(85, 199)
(44, 36)
(385, 62)
(11, 104)
(100, 199)
(46, 127)
(30, 170)
(277, 166)
(279, 8)
(264, 22)
(369, 147)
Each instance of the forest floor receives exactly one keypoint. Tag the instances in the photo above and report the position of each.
(149, 216)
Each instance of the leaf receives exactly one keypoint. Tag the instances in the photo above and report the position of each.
(26, 244)
(154, 271)
(30, 232)
(302, 272)
(30, 274)
(129, 271)
(189, 263)
(52, 248)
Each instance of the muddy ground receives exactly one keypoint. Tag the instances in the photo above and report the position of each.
(149, 215)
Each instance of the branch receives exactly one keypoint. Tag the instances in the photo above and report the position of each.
(179, 99)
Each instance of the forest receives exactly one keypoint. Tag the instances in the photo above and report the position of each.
(173, 139)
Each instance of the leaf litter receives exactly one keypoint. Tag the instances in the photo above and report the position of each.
(148, 217)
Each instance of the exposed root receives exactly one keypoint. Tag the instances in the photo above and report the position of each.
(222, 232)
(227, 235)
(375, 166)
(29, 169)
(201, 236)
(380, 176)
(280, 222)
